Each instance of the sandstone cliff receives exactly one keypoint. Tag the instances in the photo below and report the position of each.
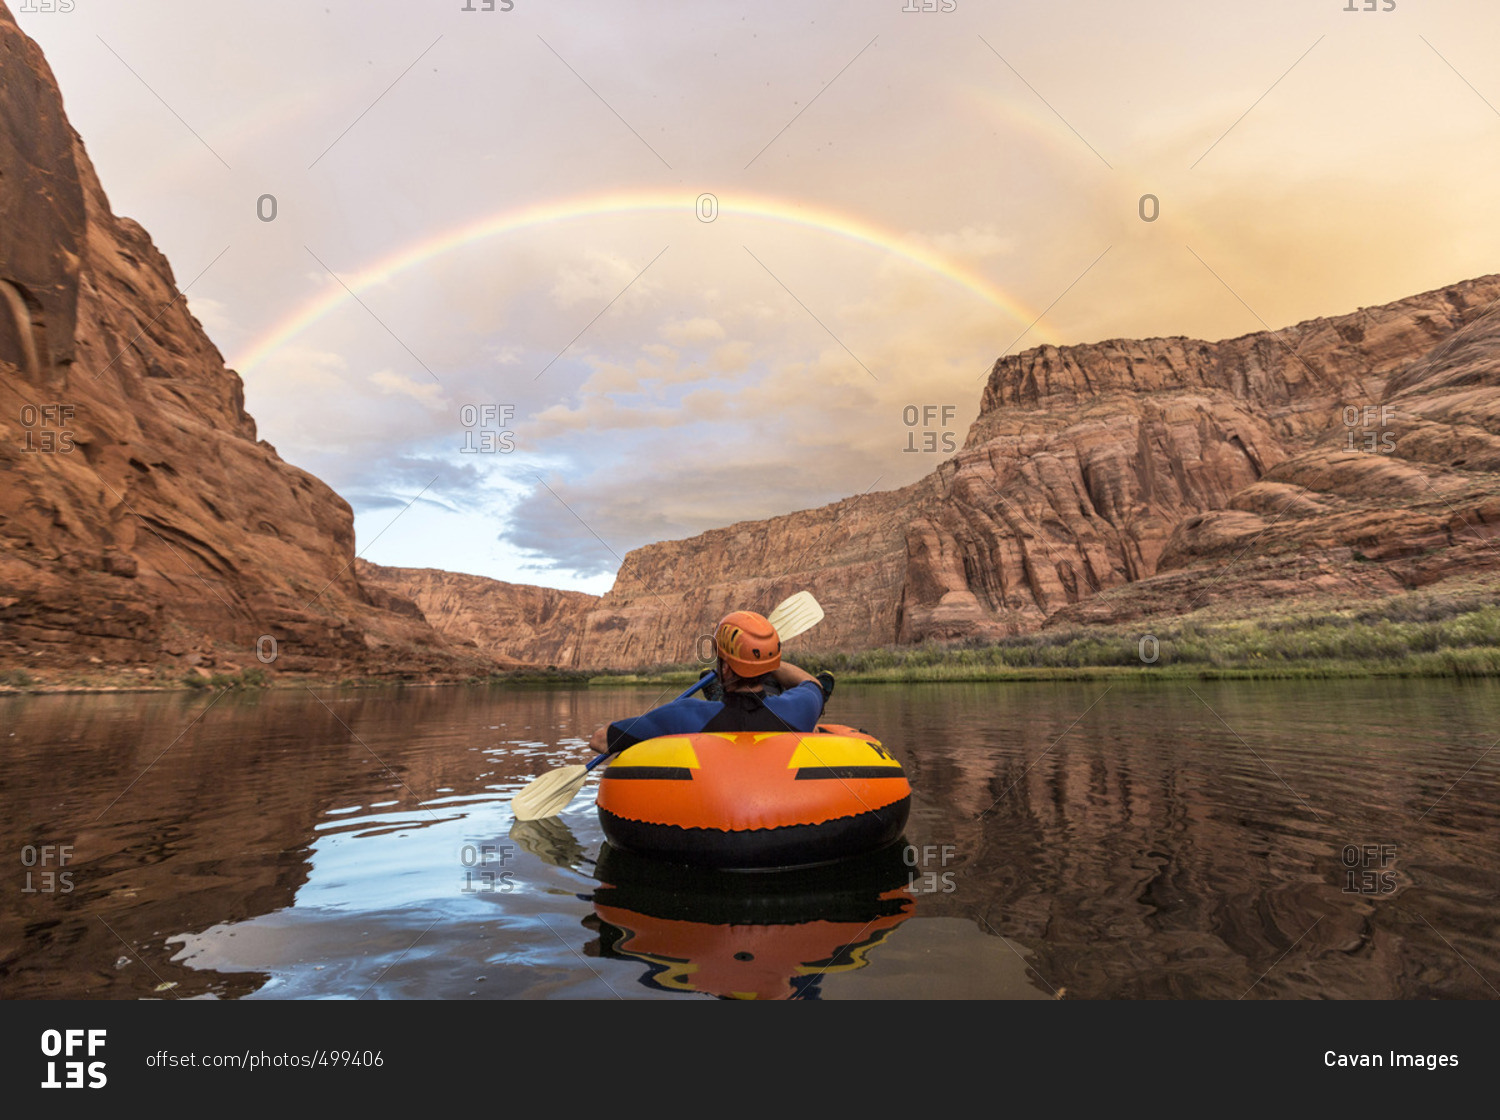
(141, 521)
(1123, 479)
(524, 624)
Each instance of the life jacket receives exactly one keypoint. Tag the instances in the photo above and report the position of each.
(746, 711)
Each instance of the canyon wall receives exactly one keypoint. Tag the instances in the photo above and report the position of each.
(1122, 479)
(511, 621)
(142, 523)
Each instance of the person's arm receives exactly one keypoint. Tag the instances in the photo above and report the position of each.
(788, 676)
(799, 707)
(613, 738)
(682, 716)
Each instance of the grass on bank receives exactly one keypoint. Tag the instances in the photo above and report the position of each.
(1448, 633)
(245, 678)
(1401, 637)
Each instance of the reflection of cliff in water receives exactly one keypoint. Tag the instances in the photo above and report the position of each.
(1172, 844)
(1116, 840)
(186, 811)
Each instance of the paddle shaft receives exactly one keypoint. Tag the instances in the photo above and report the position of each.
(701, 682)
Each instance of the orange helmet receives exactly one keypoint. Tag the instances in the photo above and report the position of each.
(748, 643)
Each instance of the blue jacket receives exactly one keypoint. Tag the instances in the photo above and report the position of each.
(796, 709)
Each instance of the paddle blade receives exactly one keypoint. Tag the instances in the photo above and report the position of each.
(549, 794)
(796, 615)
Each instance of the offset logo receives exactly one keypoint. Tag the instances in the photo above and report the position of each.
(67, 1044)
(47, 856)
(927, 416)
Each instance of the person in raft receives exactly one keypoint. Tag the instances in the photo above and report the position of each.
(749, 658)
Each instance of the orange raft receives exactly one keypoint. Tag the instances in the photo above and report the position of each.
(755, 800)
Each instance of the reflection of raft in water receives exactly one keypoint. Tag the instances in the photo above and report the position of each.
(740, 936)
(755, 800)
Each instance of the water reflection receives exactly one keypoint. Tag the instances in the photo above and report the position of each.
(747, 936)
(1323, 839)
(551, 841)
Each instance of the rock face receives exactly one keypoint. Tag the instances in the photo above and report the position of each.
(1395, 495)
(512, 621)
(1123, 479)
(141, 521)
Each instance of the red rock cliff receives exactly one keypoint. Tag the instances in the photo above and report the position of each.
(529, 625)
(1110, 481)
(141, 521)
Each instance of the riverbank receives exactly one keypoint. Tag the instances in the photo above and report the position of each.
(1465, 644)
(1451, 633)
(1418, 634)
(173, 679)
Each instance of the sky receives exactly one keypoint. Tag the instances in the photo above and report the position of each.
(531, 288)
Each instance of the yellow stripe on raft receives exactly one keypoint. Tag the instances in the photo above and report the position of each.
(817, 751)
(672, 750)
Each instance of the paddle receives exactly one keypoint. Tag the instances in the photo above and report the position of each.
(550, 793)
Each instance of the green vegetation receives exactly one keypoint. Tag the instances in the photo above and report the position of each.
(1451, 631)
(682, 675)
(1465, 644)
(245, 678)
(551, 676)
(1411, 635)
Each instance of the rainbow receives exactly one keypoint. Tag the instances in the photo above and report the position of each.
(819, 219)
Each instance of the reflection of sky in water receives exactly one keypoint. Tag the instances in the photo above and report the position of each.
(442, 900)
(395, 892)
(433, 902)
(1161, 845)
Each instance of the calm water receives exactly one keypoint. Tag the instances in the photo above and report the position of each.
(1270, 840)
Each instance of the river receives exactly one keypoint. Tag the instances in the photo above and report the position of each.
(1076, 840)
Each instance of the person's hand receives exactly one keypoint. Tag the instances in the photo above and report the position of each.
(599, 741)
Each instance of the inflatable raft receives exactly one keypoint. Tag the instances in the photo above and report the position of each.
(755, 800)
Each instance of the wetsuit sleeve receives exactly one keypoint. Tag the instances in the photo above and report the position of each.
(619, 736)
(681, 717)
(800, 707)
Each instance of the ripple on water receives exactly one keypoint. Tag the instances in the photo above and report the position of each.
(1099, 843)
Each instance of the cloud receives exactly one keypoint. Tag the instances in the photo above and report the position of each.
(428, 395)
(671, 390)
(600, 278)
(585, 526)
(214, 317)
(397, 479)
(732, 357)
(596, 415)
(970, 242)
(690, 331)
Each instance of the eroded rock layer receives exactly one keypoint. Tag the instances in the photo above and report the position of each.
(1112, 481)
(141, 521)
(525, 624)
